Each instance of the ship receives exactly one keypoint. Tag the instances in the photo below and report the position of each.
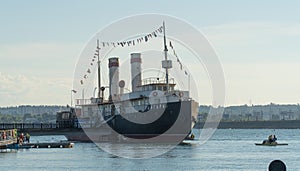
(154, 110)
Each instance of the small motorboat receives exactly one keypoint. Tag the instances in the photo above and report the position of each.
(271, 141)
(271, 144)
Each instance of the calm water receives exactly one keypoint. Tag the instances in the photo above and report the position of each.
(229, 149)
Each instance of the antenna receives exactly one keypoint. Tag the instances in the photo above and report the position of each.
(99, 74)
(166, 63)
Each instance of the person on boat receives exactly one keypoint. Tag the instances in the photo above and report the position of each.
(18, 140)
(4, 136)
(265, 142)
(27, 137)
(272, 138)
(21, 138)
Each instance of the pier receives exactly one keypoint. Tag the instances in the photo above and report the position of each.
(42, 128)
(73, 132)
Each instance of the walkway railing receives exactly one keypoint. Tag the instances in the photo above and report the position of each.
(38, 125)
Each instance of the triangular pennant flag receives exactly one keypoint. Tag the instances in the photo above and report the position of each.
(171, 45)
(160, 29)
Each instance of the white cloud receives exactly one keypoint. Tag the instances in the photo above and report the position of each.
(37, 73)
(23, 89)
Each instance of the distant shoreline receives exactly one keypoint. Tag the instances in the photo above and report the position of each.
(282, 124)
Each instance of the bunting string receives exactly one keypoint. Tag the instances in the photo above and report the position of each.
(132, 42)
(177, 59)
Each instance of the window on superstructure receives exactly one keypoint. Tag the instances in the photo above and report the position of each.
(171, 88)
(165, 88)
(65, 115)
(159, 88)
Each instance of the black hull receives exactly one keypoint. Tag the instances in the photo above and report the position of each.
(176, 119)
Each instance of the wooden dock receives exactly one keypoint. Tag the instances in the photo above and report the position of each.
(39, 145)
(49, 145)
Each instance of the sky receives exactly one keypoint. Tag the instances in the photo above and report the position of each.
(256, 42)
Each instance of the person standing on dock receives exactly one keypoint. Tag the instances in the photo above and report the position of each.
(27, 137)
(21, 138)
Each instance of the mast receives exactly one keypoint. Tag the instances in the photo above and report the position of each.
(165, 63)
(99, 76)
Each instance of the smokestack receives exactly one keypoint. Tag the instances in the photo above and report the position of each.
(113, 65)
(136, 76)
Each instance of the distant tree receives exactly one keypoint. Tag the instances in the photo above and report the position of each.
(27, 115)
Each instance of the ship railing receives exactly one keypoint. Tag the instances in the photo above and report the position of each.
(27, 125)
(157, 80)
(39, 126)
(80, 102)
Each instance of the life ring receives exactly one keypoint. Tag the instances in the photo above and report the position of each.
(154, 93)
(181, 94)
